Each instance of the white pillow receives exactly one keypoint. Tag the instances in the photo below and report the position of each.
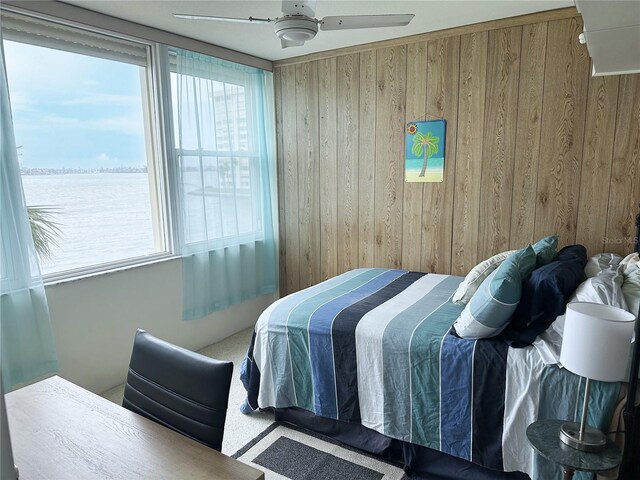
(605, 288)
(601, 262)
(476, 276)
(630, 260)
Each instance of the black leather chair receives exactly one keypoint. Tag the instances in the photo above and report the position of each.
(182, 390)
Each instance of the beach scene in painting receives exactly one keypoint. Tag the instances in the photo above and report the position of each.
(424, 159)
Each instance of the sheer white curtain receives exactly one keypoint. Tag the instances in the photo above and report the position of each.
(26, 338)
(223, 181)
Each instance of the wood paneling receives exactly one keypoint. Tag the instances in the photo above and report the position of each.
(327, 73)
(290, 179)
(563, 118)
(308, 172)
(501, 108)
(597, 157)
(466, 199)
(534, 146)
(348, 92)
(528, 125)
(366, 157)
(389, 165)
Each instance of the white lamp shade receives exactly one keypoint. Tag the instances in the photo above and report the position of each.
(596, 342)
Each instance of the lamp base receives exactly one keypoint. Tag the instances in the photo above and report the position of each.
(593, 439)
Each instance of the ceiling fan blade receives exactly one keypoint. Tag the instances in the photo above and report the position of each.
(291, 43)
(348, 22)
(222, 19)
(299, 7)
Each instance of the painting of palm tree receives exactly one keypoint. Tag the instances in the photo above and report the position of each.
(424, 156)
(426, 145)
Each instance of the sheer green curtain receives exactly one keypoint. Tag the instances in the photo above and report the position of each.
(26, 338)
(222, 178)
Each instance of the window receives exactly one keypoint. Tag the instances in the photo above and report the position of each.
(84, 123)
(220, 180)
(216, 130)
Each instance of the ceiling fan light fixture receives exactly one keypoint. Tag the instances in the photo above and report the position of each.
(298, 24)
(294, 29)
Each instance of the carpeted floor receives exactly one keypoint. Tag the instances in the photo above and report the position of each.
(239, 428)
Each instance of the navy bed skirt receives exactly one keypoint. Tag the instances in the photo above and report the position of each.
(418, 461)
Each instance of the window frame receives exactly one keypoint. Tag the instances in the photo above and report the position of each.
(156, 116)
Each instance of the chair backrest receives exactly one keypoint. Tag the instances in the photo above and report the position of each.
(182, 390)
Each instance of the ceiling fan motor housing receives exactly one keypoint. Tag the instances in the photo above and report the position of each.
(296, 28)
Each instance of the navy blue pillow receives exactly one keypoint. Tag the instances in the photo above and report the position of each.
(545, 294)
(572, 252)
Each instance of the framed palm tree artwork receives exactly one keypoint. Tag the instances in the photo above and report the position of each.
(424, 160)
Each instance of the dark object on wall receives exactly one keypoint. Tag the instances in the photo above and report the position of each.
(182, 390)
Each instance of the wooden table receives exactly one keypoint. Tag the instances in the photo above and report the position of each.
(60, 431)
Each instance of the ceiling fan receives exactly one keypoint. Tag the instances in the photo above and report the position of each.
(297, 25)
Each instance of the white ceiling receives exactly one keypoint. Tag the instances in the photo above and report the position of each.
(260, 40)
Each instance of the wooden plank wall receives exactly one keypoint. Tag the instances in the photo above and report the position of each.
(534, 146)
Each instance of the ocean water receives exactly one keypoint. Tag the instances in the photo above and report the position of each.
(103, 216)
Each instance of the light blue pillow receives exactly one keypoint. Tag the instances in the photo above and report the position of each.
(545, 250)
(491, 307)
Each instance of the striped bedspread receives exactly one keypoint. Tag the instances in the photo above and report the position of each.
(374, 346)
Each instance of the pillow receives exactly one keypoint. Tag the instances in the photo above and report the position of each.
(630, 266)
(545, 249)
(600, 262)
(631, 259)
(605, 288)
(573, 252)
(491, 307)
(476, 276)
(545, 295)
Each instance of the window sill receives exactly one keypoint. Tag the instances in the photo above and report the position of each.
(105, 269)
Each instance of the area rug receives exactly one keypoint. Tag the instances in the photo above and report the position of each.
(285, 452)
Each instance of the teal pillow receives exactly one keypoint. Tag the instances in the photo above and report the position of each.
(545, 250)
(491, 307)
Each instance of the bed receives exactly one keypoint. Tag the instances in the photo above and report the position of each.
(370, 357)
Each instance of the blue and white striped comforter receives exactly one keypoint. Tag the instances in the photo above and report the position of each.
(374, 346)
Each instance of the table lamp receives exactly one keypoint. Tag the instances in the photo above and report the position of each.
(596, 344)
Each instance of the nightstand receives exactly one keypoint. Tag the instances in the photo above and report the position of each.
(543, 435)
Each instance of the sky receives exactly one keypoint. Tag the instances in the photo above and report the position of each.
(74, 111)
